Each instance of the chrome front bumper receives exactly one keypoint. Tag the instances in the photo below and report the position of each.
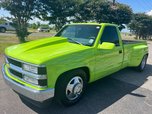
(37, 95)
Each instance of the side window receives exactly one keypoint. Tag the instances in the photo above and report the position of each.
(110, 35)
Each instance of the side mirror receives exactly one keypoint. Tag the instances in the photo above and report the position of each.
(107, 45)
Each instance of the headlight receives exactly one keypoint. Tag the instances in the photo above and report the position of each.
(30, 68)
(30, 80)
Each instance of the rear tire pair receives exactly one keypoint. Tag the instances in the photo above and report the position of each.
(70, 87)
(142, 65)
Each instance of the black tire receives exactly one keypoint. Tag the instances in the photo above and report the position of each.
(142, 65)
(3, 30)
(61, 91)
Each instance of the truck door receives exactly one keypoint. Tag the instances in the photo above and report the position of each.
(109, 61)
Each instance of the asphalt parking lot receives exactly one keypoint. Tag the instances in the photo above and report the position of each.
(125, 92)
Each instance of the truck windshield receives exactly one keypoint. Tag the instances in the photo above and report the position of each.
(81, 34)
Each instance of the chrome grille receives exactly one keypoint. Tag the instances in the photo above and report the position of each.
(14, 62)
(15, 69)
(15, 73)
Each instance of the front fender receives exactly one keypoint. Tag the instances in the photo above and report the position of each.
(58, 66)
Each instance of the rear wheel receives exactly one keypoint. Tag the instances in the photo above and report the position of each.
(70, 87)
(142, 65)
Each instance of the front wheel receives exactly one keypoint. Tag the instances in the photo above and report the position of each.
(142, 65)
(70, 87)
(3, 30)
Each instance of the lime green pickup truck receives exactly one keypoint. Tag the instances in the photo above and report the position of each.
(62, 66)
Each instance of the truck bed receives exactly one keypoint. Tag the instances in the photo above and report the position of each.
(131, 42)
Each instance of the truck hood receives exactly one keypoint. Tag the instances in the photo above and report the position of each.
(40, 51)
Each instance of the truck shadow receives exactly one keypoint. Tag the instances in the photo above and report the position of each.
(102, 93)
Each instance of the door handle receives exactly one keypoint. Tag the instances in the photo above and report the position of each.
(120, 51)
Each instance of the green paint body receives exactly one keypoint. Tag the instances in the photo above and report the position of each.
(60, 56)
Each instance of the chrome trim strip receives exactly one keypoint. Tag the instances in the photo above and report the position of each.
(37, 95)
(20, 70)
(6, 60)
(24, 62)
(26, 81)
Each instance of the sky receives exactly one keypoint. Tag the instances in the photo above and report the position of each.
(138, 5)
(4, 13)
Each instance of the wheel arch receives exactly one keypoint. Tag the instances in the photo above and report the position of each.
(85, 69)
(3, 28)
(137, 54)
(147, 54)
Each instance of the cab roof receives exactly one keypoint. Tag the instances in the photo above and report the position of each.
(101, 24)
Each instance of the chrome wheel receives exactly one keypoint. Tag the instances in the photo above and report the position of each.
(74, 88)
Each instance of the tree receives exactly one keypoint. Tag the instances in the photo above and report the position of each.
(38, 24)
(141, 26)
(114, 1)
(2, 20)
(121, 14)
(104, 11)
(34, 26)
(86, 11)
(21, 12)
(59, 12)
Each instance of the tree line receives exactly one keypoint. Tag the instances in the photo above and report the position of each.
(61, 12)
(141, 26)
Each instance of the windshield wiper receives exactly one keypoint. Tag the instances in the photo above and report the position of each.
(75, 41)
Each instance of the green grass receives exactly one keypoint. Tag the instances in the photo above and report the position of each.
(35, 30)
(126, 36)
(6, 41)
(4, 45)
